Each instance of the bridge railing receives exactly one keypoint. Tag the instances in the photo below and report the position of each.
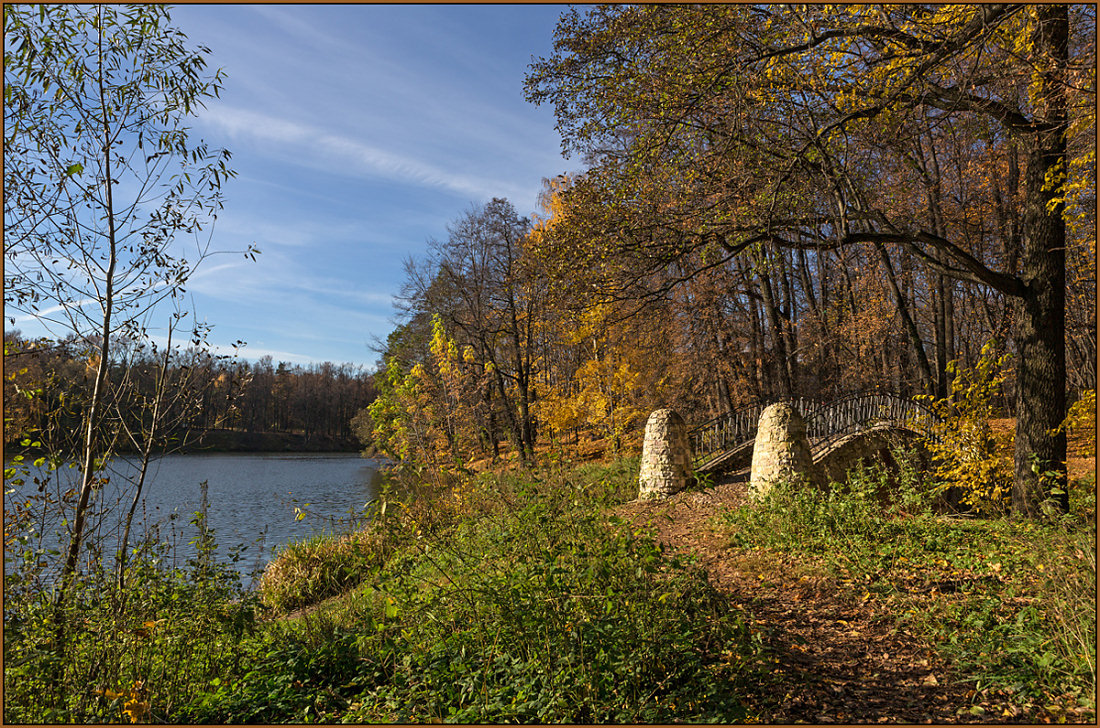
(726, 431)
(855, 413)
(825, 421)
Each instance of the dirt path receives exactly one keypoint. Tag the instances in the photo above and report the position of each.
(838, 658)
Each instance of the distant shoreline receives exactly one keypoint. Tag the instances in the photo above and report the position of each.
(212, 441)
(234, 441)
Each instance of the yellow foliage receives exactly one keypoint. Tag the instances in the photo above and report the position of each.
(135, 701)
(1081, 420)
(605, 393)
(967, 453)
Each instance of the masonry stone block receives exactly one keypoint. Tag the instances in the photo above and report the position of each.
(781, 450)
(666, 456)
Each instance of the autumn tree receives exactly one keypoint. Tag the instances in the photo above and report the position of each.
(475, 281)
(717, 131)
(603, 368)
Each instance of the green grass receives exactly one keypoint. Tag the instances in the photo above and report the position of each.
(537, 610)
(502, 599)
(136, 654)
(1011, 603)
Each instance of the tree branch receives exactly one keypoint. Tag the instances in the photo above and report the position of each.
(972, 269)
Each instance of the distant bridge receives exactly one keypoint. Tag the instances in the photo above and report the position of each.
(726, 441)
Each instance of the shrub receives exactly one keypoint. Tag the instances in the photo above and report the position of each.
(305, 572)
(1080, 423)
(968, 457)
(513, 598)
(124, 656)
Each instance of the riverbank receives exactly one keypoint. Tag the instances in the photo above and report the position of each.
(233, 441)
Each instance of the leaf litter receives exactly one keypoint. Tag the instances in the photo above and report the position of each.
(835, 651)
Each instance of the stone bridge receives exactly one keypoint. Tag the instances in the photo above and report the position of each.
(725, 443)
(824, 444)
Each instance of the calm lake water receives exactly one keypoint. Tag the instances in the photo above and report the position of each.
(252, 499)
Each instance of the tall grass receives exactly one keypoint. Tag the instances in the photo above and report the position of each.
(305, 572)
(129, 655)
(506, 599)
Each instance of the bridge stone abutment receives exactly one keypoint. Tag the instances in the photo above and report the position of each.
(781, 451)
(867, 427)
(874, 445)
(666, 456)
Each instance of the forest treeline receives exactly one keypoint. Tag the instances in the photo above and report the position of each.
(774, 201)
(47, 384)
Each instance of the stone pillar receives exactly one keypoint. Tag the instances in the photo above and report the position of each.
(666, 456)
(781, 450)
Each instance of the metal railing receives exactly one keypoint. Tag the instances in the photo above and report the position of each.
(825, 421)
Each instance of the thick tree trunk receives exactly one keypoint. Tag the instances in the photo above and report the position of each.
(1040, 311)
(1040, 389)
(1040, 347)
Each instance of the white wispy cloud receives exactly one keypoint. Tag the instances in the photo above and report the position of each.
(46, 313)
(296, 25)
(313, 146)
(279, 281)
(359, 132)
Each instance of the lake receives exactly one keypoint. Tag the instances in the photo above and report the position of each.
(253, 499)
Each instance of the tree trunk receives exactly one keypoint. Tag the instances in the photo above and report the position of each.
(942, 385)
(89, 458)
(1040, 311)
(923, 370)
(779, 341)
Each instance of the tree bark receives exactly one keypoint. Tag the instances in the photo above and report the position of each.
(1040, 310)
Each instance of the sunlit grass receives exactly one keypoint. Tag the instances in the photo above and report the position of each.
(307, 571)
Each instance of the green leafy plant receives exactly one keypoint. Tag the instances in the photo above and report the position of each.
(513, 598)
(548, 613)
(131, 655)
(1010, 603)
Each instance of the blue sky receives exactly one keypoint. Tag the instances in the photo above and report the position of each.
(358, 132)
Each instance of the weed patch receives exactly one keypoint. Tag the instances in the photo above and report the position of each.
(129, 656)
(539, 609)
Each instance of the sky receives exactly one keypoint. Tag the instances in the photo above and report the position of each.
(358, 132)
